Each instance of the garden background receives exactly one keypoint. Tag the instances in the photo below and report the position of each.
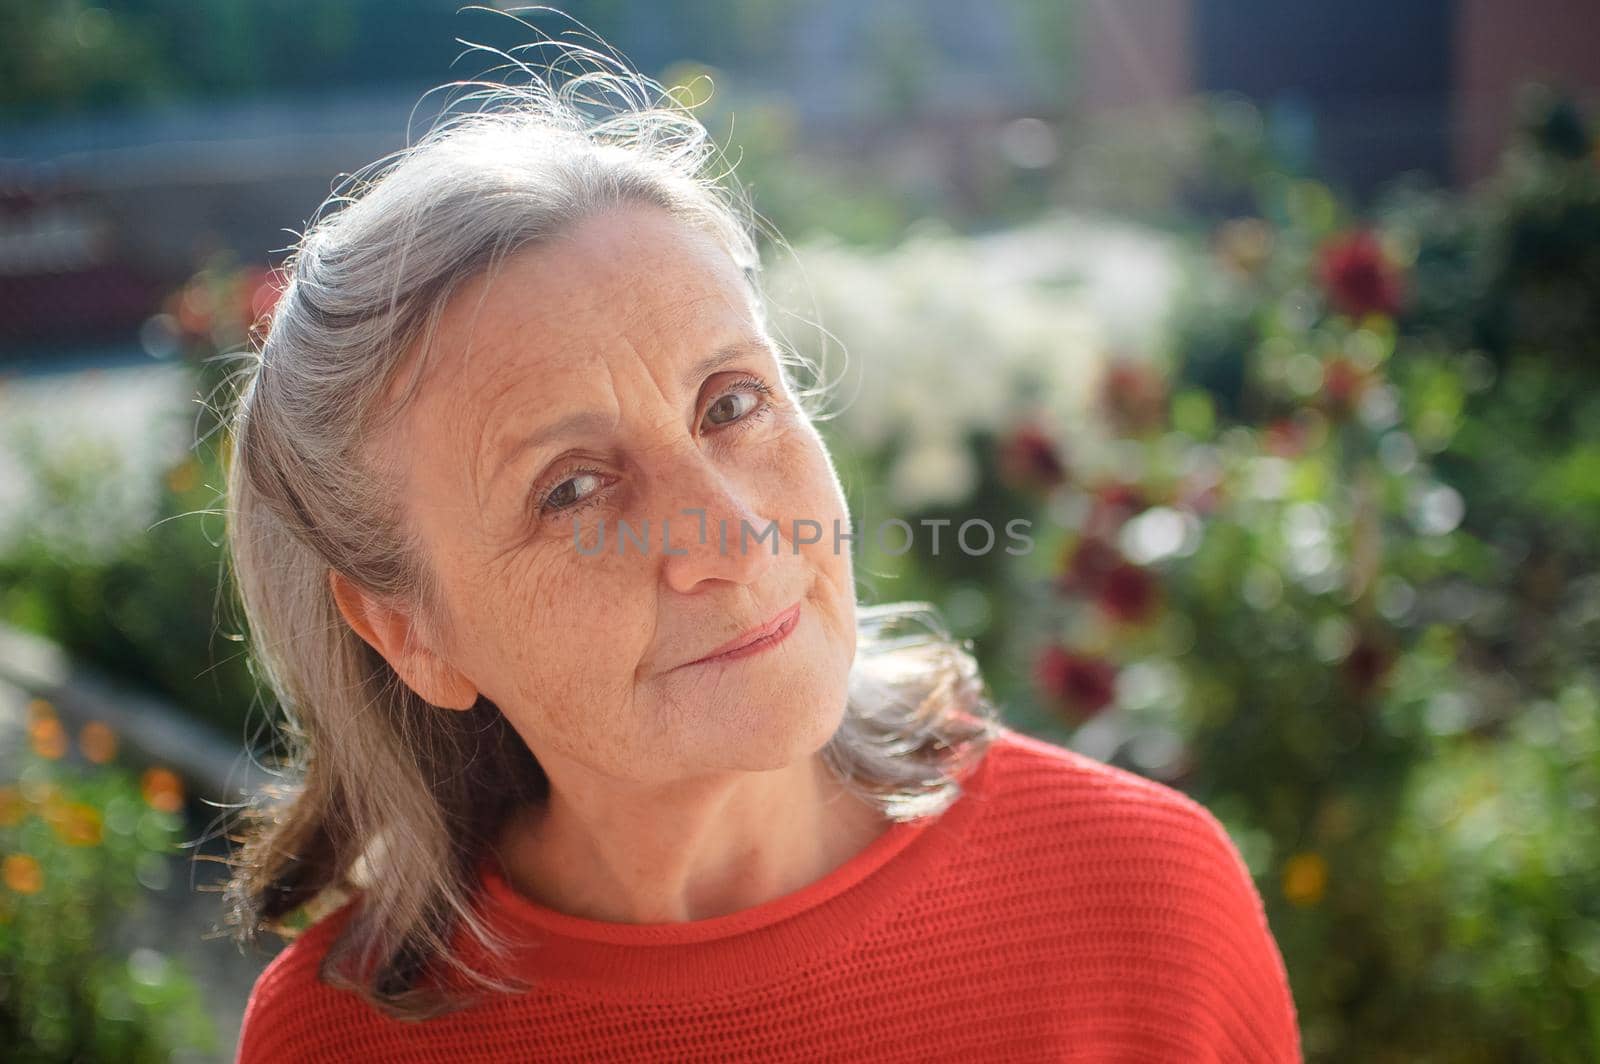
(1280, 323)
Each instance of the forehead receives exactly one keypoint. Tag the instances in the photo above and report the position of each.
(630, 276)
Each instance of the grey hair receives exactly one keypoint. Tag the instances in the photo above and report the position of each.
(381, 792)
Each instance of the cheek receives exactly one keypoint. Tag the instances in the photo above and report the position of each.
(811, 486)
(814, 494)
(817, 496)
(558, 630)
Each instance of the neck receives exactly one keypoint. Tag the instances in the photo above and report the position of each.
(687, 851)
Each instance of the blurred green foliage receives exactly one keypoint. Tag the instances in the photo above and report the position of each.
(140, 610)
(81, 844)
(119, 562)
(1324, 558)
(79, 55)
(1331, 567)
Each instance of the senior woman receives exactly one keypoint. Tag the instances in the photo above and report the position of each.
(555, 800)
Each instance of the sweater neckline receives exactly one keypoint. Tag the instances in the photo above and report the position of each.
(741, 948)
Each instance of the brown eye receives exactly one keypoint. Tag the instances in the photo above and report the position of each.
(729, 406)
(727, 410)
(561, 498)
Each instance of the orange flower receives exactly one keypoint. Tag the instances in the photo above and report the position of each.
(183, 476)
(1305, 877)
(98, 742)
(195, 309)
(162, 789)
(77, 824)
(53, 810)
(39, 709)
(49, 738)
(1244, 244)
(21, 874)
(12, 808)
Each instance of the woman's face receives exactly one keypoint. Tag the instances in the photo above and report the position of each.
(590, 654)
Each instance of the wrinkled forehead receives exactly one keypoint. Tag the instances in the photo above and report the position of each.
(549, 307)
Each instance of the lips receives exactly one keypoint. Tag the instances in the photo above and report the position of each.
(776, 624)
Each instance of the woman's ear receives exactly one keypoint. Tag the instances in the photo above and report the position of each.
(395, 634)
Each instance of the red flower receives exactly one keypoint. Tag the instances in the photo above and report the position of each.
(1201, 492)
(1123, 495)
(1343, 383)
(1079, 684)
(260, 293)
(1128, 593)
(1088, 561)
(1028, 459)
(1114, 502)
(1134, 397)
(1123, 591)
(192, 307)
(1358, 278)
(1285, 437)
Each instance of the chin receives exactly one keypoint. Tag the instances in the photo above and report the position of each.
(786, 730)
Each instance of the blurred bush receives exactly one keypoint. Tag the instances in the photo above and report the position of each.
(80, 846)
(1324, 558)
(120, 562)
(1328, 563)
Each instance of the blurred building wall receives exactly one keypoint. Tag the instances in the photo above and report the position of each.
(1136, 55)
(1500, 45)
(1370, 79)
(1383, 87)
(1358, 92)
(155, 191)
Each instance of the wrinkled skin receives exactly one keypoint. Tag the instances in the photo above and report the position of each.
(678, 790)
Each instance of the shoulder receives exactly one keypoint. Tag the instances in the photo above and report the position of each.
(1060, 787)
(1142, 876)
(1093, 821)
(289, 997)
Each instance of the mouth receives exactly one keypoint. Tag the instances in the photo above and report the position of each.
(756, 640)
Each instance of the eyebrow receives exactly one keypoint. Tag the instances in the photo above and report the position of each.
(594, 422)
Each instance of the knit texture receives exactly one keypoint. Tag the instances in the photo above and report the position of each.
(1061, 910)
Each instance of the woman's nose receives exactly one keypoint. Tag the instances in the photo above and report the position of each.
(711, 531)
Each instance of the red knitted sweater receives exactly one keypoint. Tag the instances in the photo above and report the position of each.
(1062, 910)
